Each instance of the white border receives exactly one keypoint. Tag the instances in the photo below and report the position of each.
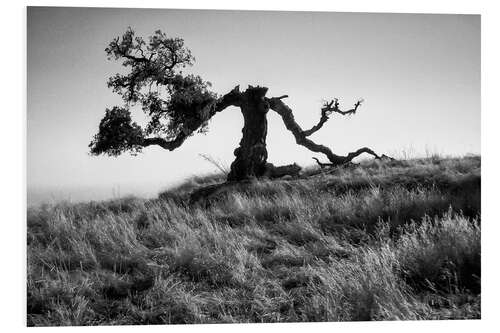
(13, 166)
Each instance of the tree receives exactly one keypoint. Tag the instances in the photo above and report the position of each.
(178, 105)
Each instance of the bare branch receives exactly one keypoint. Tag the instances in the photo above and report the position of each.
(168, 145)
(360, 151)
(333, 106)
(322, 165)
(324, 118)
(286, 114)
(326, 110)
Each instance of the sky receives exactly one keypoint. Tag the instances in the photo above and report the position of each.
(419, 75)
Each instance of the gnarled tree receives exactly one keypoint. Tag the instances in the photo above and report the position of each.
(178, 105)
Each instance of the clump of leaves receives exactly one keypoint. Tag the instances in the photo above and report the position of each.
(175, 103)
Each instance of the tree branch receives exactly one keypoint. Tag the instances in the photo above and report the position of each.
(233, 98)
(124, 51)
(333, 106)
(322, 165)
(277, 105)
(315, 128)
(131, 57)
(326, 110)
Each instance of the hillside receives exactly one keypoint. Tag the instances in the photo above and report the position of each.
(393, 240)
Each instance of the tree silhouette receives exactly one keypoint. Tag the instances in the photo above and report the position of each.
(178, 105)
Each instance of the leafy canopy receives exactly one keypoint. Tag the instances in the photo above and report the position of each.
(173, 102)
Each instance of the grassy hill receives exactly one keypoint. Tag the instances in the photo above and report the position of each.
(394, 240)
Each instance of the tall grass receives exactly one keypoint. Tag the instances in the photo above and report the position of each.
(384, 241)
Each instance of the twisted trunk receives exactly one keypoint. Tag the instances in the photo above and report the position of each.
(251, 155)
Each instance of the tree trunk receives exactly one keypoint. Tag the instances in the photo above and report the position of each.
(251, 155)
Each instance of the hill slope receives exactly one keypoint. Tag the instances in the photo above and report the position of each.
(383, 241)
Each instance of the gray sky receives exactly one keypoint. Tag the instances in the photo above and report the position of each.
(419, 76)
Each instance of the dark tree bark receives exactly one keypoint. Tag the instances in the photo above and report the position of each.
(251, 155)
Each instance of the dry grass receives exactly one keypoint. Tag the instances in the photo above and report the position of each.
(383, 241)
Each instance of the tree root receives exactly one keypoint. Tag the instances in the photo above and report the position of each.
(273, 172)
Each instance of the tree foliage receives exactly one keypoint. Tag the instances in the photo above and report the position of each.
(175, 103)
(117, 133)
